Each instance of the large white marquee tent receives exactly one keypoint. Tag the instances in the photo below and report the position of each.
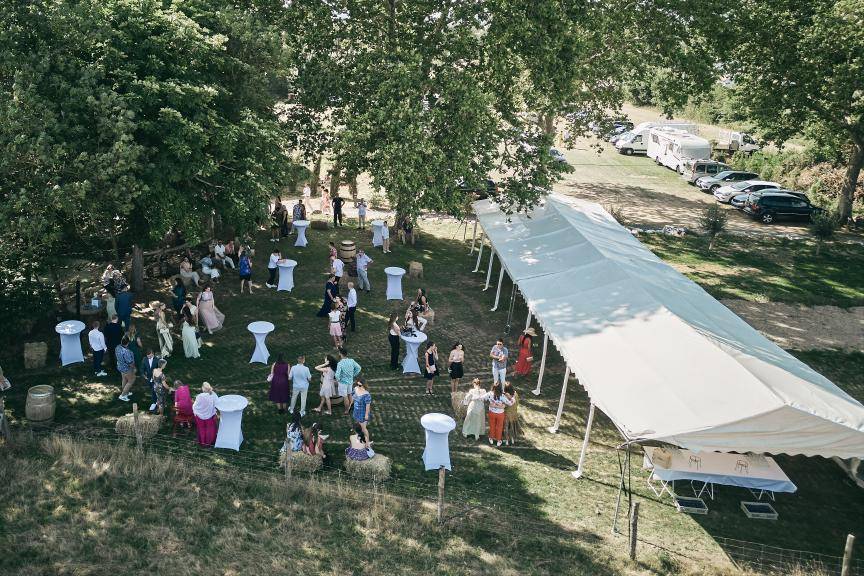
(661, 357)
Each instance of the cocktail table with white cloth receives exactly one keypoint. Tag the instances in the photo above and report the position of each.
(412, 343)
(394, 282)
(286, 275)
(70, 341)
(260, 330)
(300, 226)
(760, 474)
(437, 451)
(377, 232)
(230, 433)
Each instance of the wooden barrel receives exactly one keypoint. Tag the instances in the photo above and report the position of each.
(347, 250)
(40, 404)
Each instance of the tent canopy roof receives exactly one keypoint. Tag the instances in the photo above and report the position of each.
(659, 355)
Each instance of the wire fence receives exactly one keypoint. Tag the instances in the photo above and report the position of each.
(493, 510)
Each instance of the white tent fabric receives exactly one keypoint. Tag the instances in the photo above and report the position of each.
(660, 356)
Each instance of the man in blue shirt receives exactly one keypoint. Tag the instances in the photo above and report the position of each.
(499, 354)
(126, 367)
(347, 371)
(300, 377)
(123, 306)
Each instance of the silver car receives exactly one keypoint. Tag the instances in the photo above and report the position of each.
(726, 193)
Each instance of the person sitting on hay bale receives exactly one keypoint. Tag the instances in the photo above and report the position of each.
(363, 463)
(302, 462)
(422, 305)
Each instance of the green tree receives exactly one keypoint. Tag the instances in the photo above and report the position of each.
(799, 66)
(823, 225)
(713, 222)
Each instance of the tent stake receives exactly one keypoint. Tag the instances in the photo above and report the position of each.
(536, 391)
(554, 428)
(578, 473)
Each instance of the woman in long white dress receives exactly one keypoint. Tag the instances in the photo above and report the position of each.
(475, 417)
(190, 340)
(163, 332)
(207, 311)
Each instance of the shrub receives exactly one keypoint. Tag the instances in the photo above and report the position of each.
(823, 225)
(713, 222)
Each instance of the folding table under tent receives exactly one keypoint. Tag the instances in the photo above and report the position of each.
(662, 358)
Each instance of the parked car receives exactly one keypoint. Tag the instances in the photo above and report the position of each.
(725, 193)
(772, 205)
(711, 183)
(695, 169)
(739, 200)
(557, 155)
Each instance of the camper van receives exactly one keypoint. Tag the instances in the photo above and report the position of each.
(673, 148)
(636, 140)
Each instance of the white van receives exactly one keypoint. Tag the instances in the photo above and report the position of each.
(674, 148)
(636, 141)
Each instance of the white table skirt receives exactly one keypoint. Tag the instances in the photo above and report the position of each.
(377, 232)
(70, 341)
(745, 471)
(300, 226)
(286, 275)
(437, 451)
(260, 331)
(410, 365)
(394, 282)
(230, 434)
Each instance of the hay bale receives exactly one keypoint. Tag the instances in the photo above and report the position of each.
(149, 424)
(415, 269)
(302, 462)
(320, 225)
(376, 469)
(459, 409)
(35, 354)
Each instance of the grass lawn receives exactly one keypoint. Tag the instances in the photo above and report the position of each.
(768, 270)
(527, 488)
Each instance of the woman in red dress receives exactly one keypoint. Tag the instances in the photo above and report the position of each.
(526, 355)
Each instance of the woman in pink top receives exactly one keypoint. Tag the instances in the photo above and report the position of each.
(497, 403)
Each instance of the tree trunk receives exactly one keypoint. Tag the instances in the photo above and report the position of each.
(335, 180)
(850, 181)
(352, 185)
(316, 176)
(137, 268)
(547, 124)
(115, 247)
(711, 242)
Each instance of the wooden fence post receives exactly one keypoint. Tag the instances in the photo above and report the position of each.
(5, 431)
(139, 441)
(441, 476)
(288, 449)
(634, 525)
(847, 556)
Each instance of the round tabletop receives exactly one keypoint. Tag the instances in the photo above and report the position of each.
(260, 328)
(286, 264)
(231, 403)
(69, 327)
(377, 222)
(394, 271)
(418, 338)
(301, 222)
(438, 423)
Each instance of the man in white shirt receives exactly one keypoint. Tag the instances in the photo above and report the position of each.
(363, 261)
(361, 214)
(219, 250)
(97, 344)
(272, 267)
(352, 306)
(307, 197)
(338, 268)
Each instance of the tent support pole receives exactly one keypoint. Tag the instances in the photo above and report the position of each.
(554, 428)
(473, 237)
(510, 310)
(578, 473)
(489, 270)
(536, 391)
(479, 253)
(498, 290)
(528, 320)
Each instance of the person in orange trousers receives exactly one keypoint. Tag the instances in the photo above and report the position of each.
(497, 403)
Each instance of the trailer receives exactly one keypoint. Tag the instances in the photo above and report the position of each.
(674, 148)
(636, 140)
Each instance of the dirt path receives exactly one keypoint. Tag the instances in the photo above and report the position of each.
(798, 327)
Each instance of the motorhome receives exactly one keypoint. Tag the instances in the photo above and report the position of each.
(674, 148)
(636, 140)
